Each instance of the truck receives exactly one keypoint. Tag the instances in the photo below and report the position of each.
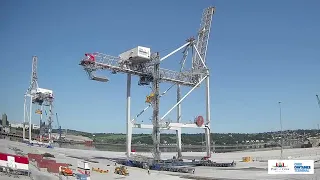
(65, 171)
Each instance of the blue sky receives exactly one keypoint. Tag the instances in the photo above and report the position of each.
(260, 52)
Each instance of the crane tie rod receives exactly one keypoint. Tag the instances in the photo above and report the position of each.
(162, 94)
(185, 54)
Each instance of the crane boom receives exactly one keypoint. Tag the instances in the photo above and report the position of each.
(203, 37)
(34, 76)
(99, 61)
(115, 64)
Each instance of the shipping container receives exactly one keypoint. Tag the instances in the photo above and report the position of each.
(48, 160)
(62, 164)
(14, 161)
(41, 164)
(21, 162)
(44, 163)
(35, 156)
(3, 159)
(54, 167)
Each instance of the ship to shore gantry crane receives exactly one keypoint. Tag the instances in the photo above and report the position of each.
(140, 61)
(38, 96)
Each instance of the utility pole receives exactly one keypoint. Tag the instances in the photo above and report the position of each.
(281, 153)
(318, 100)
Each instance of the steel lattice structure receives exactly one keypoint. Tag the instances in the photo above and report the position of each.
(39, 97)
(150, 72)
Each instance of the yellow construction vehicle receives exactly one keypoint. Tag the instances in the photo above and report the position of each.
(122, 170)
(99, 170)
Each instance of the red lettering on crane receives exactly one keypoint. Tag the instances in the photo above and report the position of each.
(90, 56)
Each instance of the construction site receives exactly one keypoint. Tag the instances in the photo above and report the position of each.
(40, 157)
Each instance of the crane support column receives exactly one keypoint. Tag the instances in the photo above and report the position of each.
(178, 131)
(208, 117)
(50, 122)
(24, 119)
(156, 102)
(30, 116)
(129, 123)
(41, 126)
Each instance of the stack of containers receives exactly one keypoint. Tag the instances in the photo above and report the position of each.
(44, 163)
(35, 157)
(49, 164)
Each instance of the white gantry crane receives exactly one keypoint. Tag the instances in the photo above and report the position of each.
(40, 97)
(146, 65)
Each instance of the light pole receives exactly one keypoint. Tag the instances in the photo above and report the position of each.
(281, 153)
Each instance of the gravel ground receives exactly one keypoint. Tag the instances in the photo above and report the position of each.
(256, 170)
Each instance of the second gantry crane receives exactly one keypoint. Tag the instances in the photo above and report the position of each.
(140, 61)
(38, 96)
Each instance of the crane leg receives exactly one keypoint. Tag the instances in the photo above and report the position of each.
(129, 123)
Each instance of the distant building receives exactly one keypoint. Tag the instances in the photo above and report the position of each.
(17, 125)
(4, 120)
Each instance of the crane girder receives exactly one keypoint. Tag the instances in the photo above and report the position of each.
(116, 65)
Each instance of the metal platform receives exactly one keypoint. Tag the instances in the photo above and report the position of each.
(214, 164)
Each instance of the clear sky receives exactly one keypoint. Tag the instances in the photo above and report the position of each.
(260, 52)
